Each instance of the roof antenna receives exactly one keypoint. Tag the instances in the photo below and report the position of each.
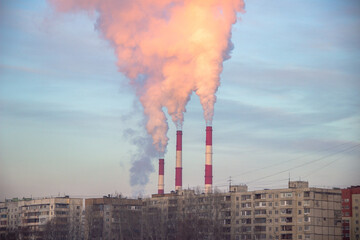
(289, 177)
(229, 183)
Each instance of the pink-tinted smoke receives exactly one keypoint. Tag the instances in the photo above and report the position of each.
(168, 49)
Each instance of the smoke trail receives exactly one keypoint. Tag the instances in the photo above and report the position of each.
(141, 160)
(168, 49)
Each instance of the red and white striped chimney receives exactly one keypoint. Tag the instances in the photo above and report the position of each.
(161, 176)
(178, 169)
(208, 160)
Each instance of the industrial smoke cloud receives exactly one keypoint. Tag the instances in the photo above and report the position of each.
(168, 49)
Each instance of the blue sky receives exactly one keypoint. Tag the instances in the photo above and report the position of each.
(288, 104)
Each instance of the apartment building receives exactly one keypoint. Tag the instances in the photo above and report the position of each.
(41, 218)
(185, 214)
(297, 212)
(3, 220)
(111, 218)
(351, 212)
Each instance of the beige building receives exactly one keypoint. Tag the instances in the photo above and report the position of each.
(355, 220)
(41, 218)
(111, 218)
(3, 220)
(297, 212)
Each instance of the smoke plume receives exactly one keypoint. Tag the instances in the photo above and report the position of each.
(168, 49)
(141, 160)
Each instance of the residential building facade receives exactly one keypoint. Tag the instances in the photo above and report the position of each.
(111, 218)
(351, 213)
(41, 218)
(296, 212)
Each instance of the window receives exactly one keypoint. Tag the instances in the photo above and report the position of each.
(286, 211)
(246, 205)
(259, 220)
(270, 204)
(306, 228)
(260, 204)
(258, 212)
(306, 210)
(300, 228)
(287, 194)
(300, 237)
(260, 196)
(346, 200)
(286, 202)
(299, 203)
(286, 219)
(270, 195)
(245, 213)
(306, 194)
(245, 229)
(245, 197)
(286, 236)
(246, 221)
(306, 219)
(299, 212)
(306, 203)
(286, 228)
(259, 228)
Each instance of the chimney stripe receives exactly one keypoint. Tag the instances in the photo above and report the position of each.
(161, 176)
(178, 169)
(208, 160)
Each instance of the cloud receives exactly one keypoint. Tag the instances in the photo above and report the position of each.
(58, 116)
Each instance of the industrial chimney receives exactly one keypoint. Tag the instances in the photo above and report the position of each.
(178, 169)
(208, 160)
(161, 176)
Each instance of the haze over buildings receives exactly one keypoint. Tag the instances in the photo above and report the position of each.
(288, 103)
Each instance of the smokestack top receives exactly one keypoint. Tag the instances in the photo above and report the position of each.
(161, 176)
(178, 140)
(161, 166)
(208, 135)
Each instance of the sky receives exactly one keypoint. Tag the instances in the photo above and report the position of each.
(288, 105)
